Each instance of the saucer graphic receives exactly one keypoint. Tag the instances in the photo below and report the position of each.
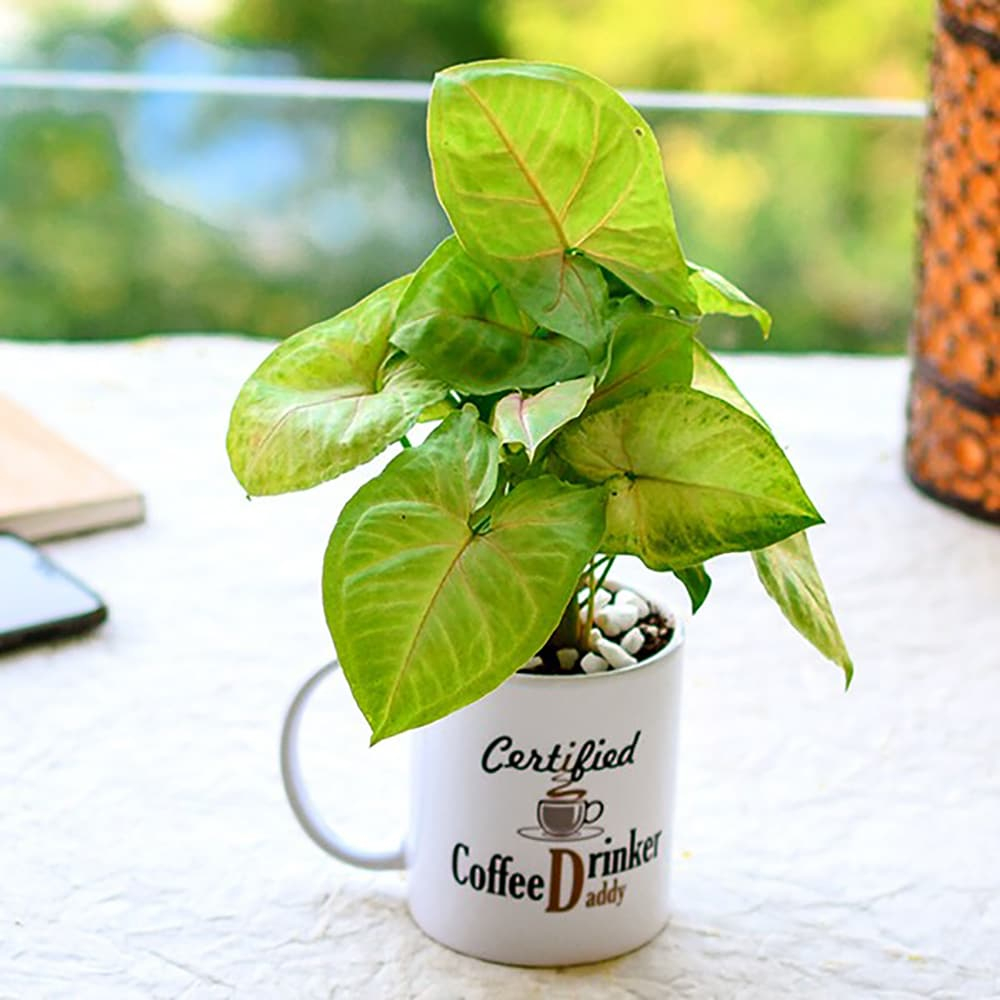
(537, 833)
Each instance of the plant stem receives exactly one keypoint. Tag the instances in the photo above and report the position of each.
(600, 561)
(593, 578)
(608, 563)
(574, 628)
(588, 623)
(405, 442)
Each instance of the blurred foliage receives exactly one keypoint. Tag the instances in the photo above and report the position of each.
(814, 215)
(761, 46)
(368, 38)
(87, 253)
(139, 213)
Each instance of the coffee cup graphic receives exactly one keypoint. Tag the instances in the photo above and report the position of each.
(566, 817)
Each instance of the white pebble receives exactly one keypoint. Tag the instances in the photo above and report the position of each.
(616, 618)
(632, 641)
(614, 654)
(567, 657)
(594, 664)
(535, 661)
(631, 598)
(595, 638)
(602, 598)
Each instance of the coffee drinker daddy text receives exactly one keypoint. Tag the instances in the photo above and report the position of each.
(573, 876)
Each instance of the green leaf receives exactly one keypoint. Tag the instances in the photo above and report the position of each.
(530, 420)
(545, 173)
(428, 615)
(460, 322)
(649, 349)
(717, 294)
(789, 574)
(689, 476)
(326, 400)
(786, 569)
(697, 582)
(437, 411)
(711, 378)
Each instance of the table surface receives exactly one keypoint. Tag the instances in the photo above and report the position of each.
(827, 845)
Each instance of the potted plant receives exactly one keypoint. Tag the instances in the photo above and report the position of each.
(552, 340)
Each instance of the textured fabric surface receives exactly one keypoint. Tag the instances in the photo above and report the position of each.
(827, 845)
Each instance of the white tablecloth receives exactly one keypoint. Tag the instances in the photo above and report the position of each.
(827, 845)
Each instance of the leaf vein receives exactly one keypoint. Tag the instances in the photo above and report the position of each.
(521, 165)
(421, 625)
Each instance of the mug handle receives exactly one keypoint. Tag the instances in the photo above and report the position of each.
(587, 818)
(305, 812)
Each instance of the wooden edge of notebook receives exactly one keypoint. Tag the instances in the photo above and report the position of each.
(45, 525)
(50, 488)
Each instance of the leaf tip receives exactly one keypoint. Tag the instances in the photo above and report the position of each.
(848, 668)
(383, 728)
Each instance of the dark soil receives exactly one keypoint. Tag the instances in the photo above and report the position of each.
(655, 628)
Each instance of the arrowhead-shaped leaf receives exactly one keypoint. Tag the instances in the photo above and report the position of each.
(460, 322)
(710, 377)
(690, 477)
(428, 614)
(324, 400)
(789, 574)
(530, 420)
(717, 294)
(543, 171)
(649, 349)
(786, 569)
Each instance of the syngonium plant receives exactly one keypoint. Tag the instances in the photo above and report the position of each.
(553, 338)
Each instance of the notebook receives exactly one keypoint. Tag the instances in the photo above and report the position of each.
(49, 488)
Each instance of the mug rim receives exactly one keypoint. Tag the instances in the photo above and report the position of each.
(675, 643)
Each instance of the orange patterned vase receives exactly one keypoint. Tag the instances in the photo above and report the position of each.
(953, 445)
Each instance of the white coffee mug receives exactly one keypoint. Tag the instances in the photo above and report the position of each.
(541, 815)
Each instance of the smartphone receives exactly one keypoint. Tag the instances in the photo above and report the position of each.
(38, 600)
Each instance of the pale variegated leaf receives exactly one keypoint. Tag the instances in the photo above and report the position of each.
(546, 172)
(649, 349)
(459, 321)
(789, 574)
(710, 377)
(718, 295)
(689, 477)
(530, 420)
(430, 611)
(327, 399)
(786, 569)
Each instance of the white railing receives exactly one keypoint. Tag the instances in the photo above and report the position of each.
(411, 92)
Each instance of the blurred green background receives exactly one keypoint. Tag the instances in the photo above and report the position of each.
(132, 213)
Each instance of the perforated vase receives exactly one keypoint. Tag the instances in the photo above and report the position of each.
(953, 444)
